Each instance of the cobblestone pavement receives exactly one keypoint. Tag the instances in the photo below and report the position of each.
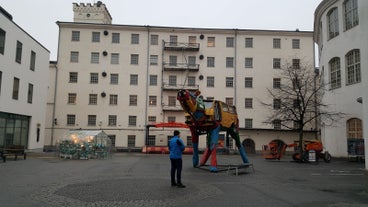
(131, 180)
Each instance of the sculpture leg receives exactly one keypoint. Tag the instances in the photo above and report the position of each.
(195, 140)
(235, 135)
(214, 134)
(207, 151)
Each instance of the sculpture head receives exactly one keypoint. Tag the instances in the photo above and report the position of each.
(187, 101)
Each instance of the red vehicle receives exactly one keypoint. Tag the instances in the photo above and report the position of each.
(275, 149)
(314, 149)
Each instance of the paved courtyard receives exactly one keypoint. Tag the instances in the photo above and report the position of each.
(129, 179)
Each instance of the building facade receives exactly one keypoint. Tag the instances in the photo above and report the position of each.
(24, 69)
(121, 78)
(340, 32)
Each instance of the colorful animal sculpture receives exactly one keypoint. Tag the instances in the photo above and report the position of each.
(209, 117)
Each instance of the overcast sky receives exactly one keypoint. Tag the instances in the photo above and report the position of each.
(38, 17)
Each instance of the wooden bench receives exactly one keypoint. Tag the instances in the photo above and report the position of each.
(13, 150)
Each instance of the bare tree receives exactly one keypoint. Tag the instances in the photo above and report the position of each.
(297, 99)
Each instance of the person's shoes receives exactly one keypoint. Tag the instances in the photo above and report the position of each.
(179, 185)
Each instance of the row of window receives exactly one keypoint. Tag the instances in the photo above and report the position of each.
(352, 69)
(154, 40)
(350, 17)
(134, 60)
(16, 88)
(172, 81)
(18, 51)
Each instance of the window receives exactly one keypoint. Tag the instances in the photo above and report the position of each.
(192, 61)
(133, 100)
(18, 53)
(72, 98)
(114, 79)
(333, 23)
(276, 104)
(354, 128)
(1, 79)
(192, 41)
(152, 119)
(152, 100)
(153, 59)
(296, 43)
(132, 120)
(153, 80)
(210, 81)
(229, 62)
(229, 41)
(131, 140)
(92, 99)
(296, 63)
(92, 120)
(114, 58)
(73, 77)
(172, 80)
(93, 78)
(296, 103)
(191, 80)
(151, 140)
(248, 123)
(171, 119)
(32, 64)
(276, 43)
(113, 139)
(133, 79)
(172, 100)
(277, 124)
(351, 14)
(2, 41)
(189, 141)
(75, 36)
(335, 73)
(276, 63)
(115, 38)
(70, 119)
(276, 83)
(353, 67)
(30, 93)
(154, 39)
(210, 41)
(248, 82)
(134, 39)
(113, 99)
(229, 101)
(173, 40)
(112, 120)
(248, 103)
(248, 62)
(95, 36)
(74, 57)
(296, 124)
(15, 88)
(229, 82)
(210, 62)
(173, 60)
(95, 57)
(134, 59)
(248, 42)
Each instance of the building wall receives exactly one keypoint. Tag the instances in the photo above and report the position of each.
(262, 73)
(10, 69)
(344, 98)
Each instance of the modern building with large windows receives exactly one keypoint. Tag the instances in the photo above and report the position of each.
(24, 71)
(121, 78)
(341, 29)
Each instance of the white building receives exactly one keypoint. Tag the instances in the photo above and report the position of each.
(341, 29)
(121, 78)
(24, 69)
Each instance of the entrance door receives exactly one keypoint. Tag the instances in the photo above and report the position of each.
(249, 146)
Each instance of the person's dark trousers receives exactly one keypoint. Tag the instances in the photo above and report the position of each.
(176, 166)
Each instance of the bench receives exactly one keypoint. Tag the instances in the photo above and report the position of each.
(238, 167)
(13, 150)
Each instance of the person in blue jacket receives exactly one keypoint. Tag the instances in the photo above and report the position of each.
(176, 147)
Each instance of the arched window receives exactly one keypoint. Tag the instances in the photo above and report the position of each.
(352, 60)
(351, 18)
(335, 73)
(354, 128)
(333, 23)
